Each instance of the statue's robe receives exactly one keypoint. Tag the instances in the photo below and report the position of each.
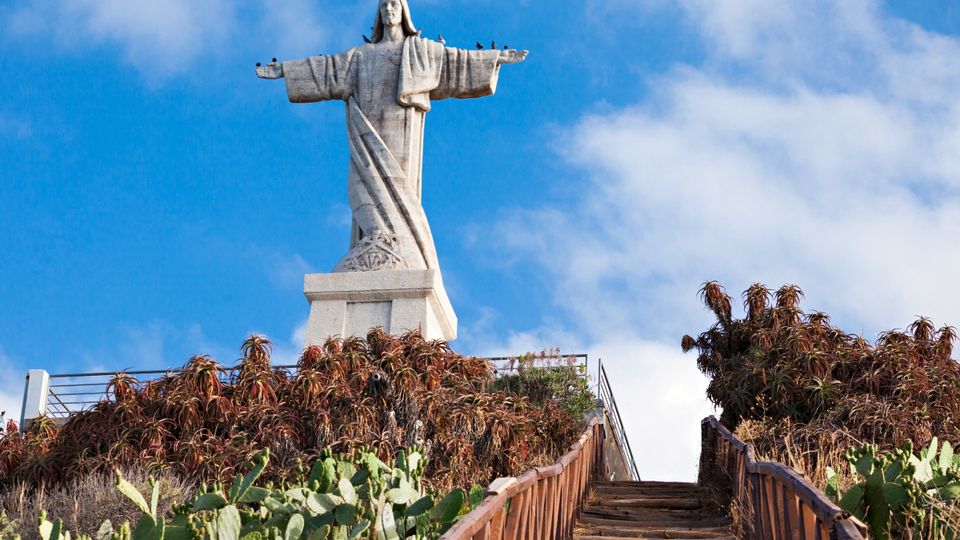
(388, 96)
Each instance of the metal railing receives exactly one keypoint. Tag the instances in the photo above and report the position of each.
(776, 501)
(605, 394)
(69, 393)
(75, 392)
(509, 365)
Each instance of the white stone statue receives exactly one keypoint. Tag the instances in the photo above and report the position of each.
(388, 86)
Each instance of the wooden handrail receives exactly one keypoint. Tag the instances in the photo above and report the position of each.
(777, 501)
(541, 504)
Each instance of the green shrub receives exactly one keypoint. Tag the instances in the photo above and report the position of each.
(565, 385)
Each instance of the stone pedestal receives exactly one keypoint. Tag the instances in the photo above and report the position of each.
(351, 303)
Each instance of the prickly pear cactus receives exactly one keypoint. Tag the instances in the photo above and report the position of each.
(341, 498)
(898, 490)
(9, 529)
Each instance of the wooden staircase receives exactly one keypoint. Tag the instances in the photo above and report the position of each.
(649, 510)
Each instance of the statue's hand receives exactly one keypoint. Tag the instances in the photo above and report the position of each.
(270, 71)
(510, 56)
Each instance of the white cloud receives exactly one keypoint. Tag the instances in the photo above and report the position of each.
(767, 33)
(287, 353)
(661, 398)
(158, 38)
(818, 145)
(481, 338)
(160, 345)
(174, 37)
(299, 335)
(853, 194)
(286, 271)
(294, 26)
(11, 388)
(153, 345)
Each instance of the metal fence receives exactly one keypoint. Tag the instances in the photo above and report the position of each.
(69, 393)
(74, 392)
(509, 365)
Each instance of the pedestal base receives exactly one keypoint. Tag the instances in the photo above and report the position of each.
(351, 303)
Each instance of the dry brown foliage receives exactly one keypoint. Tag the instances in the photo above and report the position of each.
(780, 363)
(805, 392)
(84, 503)
(383, 392)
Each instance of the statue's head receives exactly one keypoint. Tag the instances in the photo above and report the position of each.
(393, 13)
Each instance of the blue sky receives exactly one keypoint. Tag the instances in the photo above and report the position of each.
(160, 201)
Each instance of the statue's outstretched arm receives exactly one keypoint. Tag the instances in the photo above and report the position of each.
(510, 56)
(316, 78)
(272, 70)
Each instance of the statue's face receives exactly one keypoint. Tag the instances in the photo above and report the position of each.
(391, 12)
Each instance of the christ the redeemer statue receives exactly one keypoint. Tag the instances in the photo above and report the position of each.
(388, 86)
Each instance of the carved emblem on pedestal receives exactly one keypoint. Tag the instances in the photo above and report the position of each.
(376, 251)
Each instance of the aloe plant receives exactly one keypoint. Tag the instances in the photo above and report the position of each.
(896, 488)
(342, 498)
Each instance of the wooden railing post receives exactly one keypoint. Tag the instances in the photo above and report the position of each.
(706, 448)
(554, 506)
(512, 527)
(755, 508)
(540, 521)
(496, 524)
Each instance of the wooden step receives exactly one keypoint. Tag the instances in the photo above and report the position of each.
(641, 489)
(658, 522)
(652, 534)
(641, 513)
(647, 492)
(627, 532)
(644, 535)
(649, 485)
(649, 510)
(647, 502)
